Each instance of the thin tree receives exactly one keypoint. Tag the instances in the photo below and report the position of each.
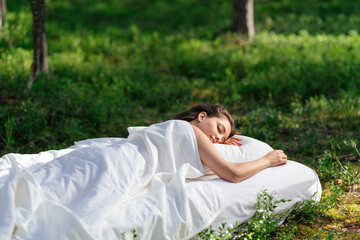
(40, 63)
(2, 14)
(243, 18)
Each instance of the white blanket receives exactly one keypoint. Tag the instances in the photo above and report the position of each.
(108, 189)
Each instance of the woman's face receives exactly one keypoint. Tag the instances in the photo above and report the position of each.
(217, 129)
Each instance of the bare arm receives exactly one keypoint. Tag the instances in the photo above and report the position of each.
(234, 172)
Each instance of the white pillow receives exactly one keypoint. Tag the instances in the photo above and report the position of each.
(250, 150)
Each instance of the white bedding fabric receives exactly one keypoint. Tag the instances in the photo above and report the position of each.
(102, 188)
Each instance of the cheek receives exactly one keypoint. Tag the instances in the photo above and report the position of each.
(207, 128)
(213, 128)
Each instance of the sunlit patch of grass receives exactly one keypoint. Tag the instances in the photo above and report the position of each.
(334, 222)
(17, 30)
(15, 64)
(313, 231)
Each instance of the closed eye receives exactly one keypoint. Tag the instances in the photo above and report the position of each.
(222, 130)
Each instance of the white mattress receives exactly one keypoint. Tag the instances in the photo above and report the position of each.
(293, 181)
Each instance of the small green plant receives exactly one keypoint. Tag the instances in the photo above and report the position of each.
(352, 143)
(336, 164)
(265, 220)
(9, 138)
(330, 198)
(262, 224)
(304, 211)
(133, 233)
(224, 232)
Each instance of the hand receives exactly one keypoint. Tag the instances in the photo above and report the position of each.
(276, 157)
(233, 141)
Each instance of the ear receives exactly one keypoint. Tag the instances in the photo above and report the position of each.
(201, 116)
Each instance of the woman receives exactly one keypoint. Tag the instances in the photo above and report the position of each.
(213, 124)
(102, 188)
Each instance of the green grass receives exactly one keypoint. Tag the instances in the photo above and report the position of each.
(116, 64)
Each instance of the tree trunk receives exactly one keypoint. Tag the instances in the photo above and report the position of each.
(2, 14)
(243, 18)
(40, 63)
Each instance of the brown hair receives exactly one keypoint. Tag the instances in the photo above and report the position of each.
(211, 110)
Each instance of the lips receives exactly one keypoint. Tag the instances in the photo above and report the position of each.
(212, 140)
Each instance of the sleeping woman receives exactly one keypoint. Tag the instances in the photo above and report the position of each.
(101, 188)
(214, 124)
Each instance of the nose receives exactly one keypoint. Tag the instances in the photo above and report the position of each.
(218, 139)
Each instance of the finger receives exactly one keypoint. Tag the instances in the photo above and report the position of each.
(232, 142)
(235, 143)
(236, 138)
